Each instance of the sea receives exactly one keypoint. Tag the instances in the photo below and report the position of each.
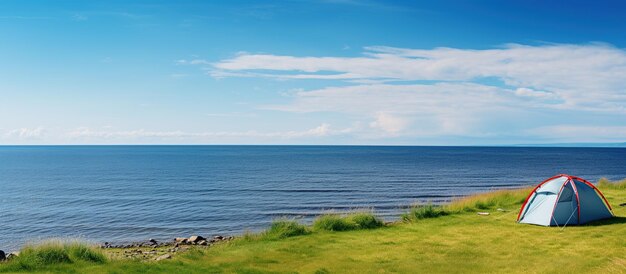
(121, 194)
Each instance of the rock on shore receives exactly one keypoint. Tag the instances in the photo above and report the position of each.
(195, 239)
(163, 257)
(154, 250)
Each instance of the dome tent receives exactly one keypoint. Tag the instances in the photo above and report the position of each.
(564, 200)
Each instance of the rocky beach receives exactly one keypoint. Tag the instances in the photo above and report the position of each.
(150, 249)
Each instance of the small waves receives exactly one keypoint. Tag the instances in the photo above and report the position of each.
(127, 193)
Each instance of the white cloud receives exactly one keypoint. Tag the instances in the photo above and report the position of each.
(25, 133)
(395, 98)
(389, 123)
(418, 110)
(192, 62)
(88, 134)
(588, 77)
(448, 91)
(534, 93)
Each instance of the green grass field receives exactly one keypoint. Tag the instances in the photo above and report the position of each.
(457, 241)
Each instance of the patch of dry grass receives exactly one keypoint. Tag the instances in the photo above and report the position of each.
(506, 199)
(605, 183)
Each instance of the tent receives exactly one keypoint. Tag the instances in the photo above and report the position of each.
(564, 200)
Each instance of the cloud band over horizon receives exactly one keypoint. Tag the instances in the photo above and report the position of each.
(511, 94)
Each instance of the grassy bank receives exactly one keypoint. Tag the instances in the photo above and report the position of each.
(429, 239)
(55, 255)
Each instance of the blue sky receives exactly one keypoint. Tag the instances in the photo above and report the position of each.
(312, 72)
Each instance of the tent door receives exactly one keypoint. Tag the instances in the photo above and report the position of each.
(566, 208)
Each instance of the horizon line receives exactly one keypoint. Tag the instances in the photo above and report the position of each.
(546, 145)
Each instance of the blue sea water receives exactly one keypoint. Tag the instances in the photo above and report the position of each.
(130, 193)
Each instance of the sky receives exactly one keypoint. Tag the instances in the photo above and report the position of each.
(334, 72)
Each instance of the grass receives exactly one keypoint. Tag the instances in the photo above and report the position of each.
(55, 252)
(419, 212)
(365, 220)
(283, 228)
(604, 183)
(503, 199)
(353, 221)
(459, 242)
(332, 222)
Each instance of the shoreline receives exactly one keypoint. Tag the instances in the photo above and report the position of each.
(183, 243)
(442, 235)
(144, 250)
(176, 242)
(155, 250)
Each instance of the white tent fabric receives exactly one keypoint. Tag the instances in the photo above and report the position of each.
(564, 200)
